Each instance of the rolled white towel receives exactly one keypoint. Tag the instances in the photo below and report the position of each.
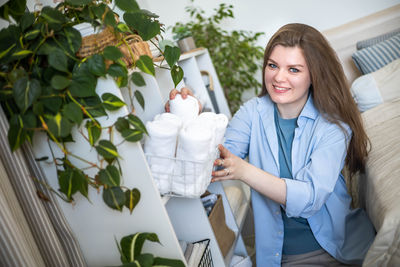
(219, 122)
(161, 143)
(171, 118)
(187, 109)
(193, 153)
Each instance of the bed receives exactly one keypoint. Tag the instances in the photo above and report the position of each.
(375, 84)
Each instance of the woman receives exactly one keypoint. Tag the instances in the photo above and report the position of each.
(297, 135)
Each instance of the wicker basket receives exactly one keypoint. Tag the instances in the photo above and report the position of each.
(95, 43)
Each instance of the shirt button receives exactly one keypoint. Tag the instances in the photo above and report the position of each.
(277, 254)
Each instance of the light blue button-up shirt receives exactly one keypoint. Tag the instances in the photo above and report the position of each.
(317, 191)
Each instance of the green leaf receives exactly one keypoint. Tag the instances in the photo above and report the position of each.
(121, 124)
(20, 54)
(109, 18)
(60, 82)
(94, 131)
(145, 259)
(132, 198)
(112, 102)
(54, 18)
(70, 39)
(132, 135)
(158, 261)
(96, 65)
(110, 176)
(143, 24)
(116, 70)
(145, 64)
(112, 53)
(59, 126)
(122, 27)
(38, 108)
(93, 106)
(73, 112)
(106, 149)
(172, 55)
(127, 5)
(83, 82)
(15, 8)
(69, 182)
(83, 184)
(16, 74)
(114, 197)
(58, 60)
(51, 100)
(137, 123)
(78, 2)
(16, 134)
(31, 34)
(176, 74)
(137, 79)
(27, 20)
(131, 245)
(99, 10)
(139, 98)
(25, 92)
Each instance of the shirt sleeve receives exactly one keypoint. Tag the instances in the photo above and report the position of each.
(238, 132)
(313, 184)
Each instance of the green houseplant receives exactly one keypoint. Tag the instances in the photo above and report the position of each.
(45, 87)
(235, 55)
(183, 37)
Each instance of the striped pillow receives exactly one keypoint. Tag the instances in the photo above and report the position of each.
(377, 39)
(373, 58)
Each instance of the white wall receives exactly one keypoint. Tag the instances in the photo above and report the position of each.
(268, 15)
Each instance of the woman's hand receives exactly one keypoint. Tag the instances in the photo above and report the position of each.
(184, 93)
(234, 167)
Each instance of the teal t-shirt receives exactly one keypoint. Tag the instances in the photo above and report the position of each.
(298, 237)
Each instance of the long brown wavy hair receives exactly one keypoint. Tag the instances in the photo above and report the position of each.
(330, 89)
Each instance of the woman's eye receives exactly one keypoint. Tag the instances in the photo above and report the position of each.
(294, 70)
(271, 65)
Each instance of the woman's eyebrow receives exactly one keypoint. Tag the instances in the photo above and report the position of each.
(291, 65)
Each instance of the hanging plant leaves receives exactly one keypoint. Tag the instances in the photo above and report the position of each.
(112, 53)
(53, 17)
(59, 126)
(58, 60)
(70, 40)
(145, 64)
(94, 131)
(60, 82)
(93, 106)
(14, 8)
(132, 198)
(132, 135)
(122, 27)
(137, 123)
(84, 185)
(114, 197)
(112, 102)
(109, 18)
(121, 124)
(116, 70)
(27, 20)
(106, 149)
(78, 2)
(131, 245)
(176, 74)
(16, 134)
(69, 182)
(51, 101)
(99, 10)
(137, 79)
(83, 82)
(73, 112)
(139, 98)
(145, 259)
(30, 35)
(172, 55)
(25, 92)
(110, 176)
(127, 5)
(96, 65)
(143, 24)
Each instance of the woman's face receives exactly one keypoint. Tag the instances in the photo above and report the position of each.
(288, 80)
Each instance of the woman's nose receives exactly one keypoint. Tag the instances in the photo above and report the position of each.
(280, 75)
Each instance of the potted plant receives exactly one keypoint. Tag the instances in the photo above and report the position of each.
(46, 87)
(235, 55)
(183, 37)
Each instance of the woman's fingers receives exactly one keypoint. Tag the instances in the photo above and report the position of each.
(185, 92)
(173, 93)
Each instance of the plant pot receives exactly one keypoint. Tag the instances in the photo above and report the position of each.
(186, 44)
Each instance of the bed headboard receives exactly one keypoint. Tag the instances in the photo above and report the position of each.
(344, 38)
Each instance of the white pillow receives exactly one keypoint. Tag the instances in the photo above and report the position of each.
(377, 87)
